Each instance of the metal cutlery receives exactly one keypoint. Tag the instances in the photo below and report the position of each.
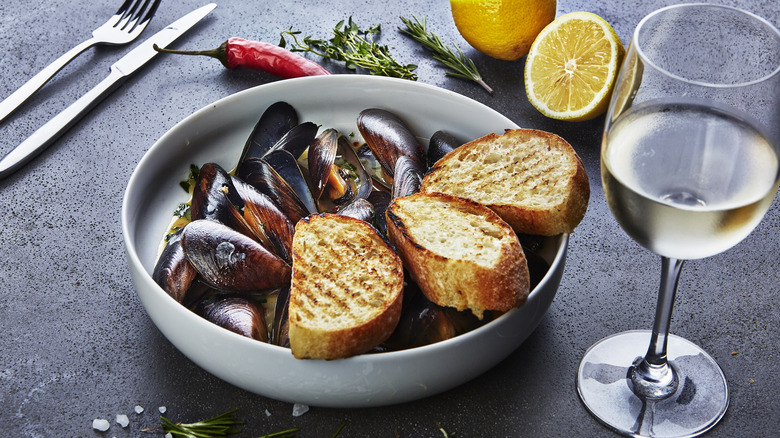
(122, 28)
(120, 71)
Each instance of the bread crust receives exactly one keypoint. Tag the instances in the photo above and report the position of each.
(369, 311)
(449, 280)
(551, 171)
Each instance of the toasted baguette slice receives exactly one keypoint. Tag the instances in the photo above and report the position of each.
(533, 179)
(460, 253)
(346, 291)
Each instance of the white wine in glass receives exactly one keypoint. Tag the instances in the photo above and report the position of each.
(690, 163)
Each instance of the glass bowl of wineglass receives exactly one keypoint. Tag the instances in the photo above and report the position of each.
(689, 164)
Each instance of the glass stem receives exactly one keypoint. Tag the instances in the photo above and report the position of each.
(653, 377)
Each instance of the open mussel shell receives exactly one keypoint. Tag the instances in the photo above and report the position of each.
(358, 172)
(359, 209)
(372, 166)
(230, 261)
(236, 314)
(276, 121)
(297, 140)
(280, 329)
(389, 137)
(267, 221)
(173, 272)
(287, 167)
(214, 196)
(322, 155)
(259, 174)
(440, 144)
(380, 199)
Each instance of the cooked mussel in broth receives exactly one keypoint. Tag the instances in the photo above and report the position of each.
(237, 248)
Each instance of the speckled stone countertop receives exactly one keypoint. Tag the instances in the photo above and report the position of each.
(77, 344)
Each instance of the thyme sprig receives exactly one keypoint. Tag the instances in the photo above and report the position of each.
(459, 64)
(353, 46)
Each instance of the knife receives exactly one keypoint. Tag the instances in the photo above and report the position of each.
(120, 71)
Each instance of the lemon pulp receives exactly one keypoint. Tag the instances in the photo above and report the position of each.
(571, 67)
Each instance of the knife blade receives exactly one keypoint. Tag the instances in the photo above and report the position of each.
(120, 71)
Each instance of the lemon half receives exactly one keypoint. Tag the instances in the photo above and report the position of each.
(571, 67)
(503, 29)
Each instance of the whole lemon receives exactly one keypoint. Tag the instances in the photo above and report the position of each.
(503, 29)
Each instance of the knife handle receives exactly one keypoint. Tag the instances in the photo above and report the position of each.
(15, 100)
(54, 128)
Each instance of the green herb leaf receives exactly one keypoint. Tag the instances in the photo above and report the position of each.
(287, 433)
(219, 426)
(353, 46)
(459, 64)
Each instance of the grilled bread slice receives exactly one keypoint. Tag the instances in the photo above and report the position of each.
(460, 253)
(533, 179)
(346, 291)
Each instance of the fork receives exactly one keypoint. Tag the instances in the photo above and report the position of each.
(122, 28)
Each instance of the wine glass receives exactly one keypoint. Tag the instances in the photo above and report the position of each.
(689, 165)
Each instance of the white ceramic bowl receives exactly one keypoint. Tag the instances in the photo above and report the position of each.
(217, 133)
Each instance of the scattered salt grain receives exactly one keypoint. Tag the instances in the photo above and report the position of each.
(162, 409)
(299, 409)
(122, 420)
(100, 424)
(267, 413)
(138, 409)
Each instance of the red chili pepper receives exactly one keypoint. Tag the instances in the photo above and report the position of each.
(238, 52)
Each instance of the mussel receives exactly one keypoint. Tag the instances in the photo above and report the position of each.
(230, 261)
(173, 272)
(408, 177)
(288, 169)
(423, 322)
(296, 140)
(336, 174)
(214, 196)
(268, 223)
(389, 137)
(236, 314)
(440, 144)
(359, 209)
(259, 174)
(380, 199)
(277, 120)
(280, 329)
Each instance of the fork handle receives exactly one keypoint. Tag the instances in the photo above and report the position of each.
(15, 100)
(54, 128)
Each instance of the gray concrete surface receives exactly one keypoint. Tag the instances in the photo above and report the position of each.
(77, 345)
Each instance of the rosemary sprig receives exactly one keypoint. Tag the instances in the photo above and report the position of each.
(355, 47)
(459, 64)
(219, 426)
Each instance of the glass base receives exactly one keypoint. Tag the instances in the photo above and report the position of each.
(698, 403)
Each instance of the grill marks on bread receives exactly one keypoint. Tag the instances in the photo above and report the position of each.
(345, 296)
(533, 179)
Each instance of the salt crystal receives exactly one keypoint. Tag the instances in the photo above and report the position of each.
(162, 409)
(267, 413)
(122, 420)
(100, 424)
(138, 409)
(299, 409)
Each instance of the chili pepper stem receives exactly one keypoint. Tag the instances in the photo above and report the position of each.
(218, 53)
